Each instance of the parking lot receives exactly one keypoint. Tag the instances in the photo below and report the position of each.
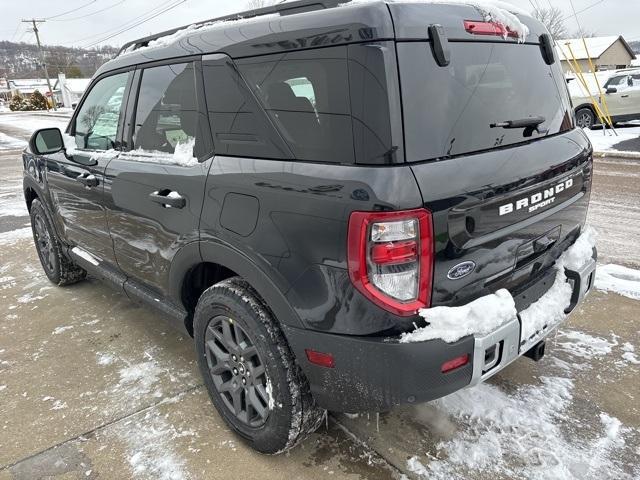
(95, 386)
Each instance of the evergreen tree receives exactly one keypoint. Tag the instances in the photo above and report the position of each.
(17, 103)
(37, 101)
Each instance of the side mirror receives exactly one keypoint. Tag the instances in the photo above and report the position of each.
(46, 141)
(612, 90)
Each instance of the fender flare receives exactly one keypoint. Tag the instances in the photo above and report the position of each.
(214, 251)
(30, 183)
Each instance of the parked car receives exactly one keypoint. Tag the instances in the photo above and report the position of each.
(621, 91)
(293, 188)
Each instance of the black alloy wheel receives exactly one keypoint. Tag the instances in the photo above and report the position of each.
(44, 243)
(237, 371)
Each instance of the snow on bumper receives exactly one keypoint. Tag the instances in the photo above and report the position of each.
(501, 333)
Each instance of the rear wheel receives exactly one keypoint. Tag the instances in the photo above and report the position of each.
(585, 118)
(249, 370)
(58, 268)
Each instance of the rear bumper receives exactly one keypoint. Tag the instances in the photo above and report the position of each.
(376, 374)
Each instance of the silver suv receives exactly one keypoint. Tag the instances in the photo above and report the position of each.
(622, 95)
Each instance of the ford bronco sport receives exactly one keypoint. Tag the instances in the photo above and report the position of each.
(298, 186)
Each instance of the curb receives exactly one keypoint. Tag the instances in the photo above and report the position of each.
(617, 154)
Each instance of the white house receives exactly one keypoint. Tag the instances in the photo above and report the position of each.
(69, 91)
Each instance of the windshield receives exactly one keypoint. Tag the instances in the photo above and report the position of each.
(490, 95)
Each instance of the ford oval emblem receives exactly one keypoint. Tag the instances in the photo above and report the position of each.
(461, 270)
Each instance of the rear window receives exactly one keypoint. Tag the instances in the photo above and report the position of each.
(449, 110)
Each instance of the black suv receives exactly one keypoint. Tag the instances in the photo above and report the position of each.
(296, 186)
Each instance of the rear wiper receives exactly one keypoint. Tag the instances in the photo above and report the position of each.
(530, 124)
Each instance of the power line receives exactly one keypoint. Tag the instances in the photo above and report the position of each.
(72, 10)
(135, 25)
(575, 14)
(16, 31)
(92, 13)
(111, 30)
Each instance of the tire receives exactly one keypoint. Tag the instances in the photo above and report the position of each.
(58, 268)
(585, 118)
(232, 321)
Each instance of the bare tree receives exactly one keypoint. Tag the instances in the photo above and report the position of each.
(553, 19)
(253, 4)
(585, 33)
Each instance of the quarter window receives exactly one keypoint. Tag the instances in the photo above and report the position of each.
(166, 113)
(96, 124)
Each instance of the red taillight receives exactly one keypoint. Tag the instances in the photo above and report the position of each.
(394, 252)
(390, 258)
(488, 28)
(455, 363)
(320, 358)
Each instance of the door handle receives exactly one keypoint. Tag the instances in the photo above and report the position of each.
(168, 198)
(87, 179)
(624, 96)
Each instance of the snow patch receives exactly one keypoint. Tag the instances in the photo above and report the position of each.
(520, 435)
(10, 143)
(495, 11)
(139, 378)
(583, 345)
(150, 443)
(618, 279)
(605, 140)
(487, 313)
(105, 359)
(63, 329)
(629, 354)
(182, 156)
(2, 387)
(479, 317)
(72, 149)
(13, 236)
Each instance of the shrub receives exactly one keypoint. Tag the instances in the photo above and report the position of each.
(17, 103)
(37, 101)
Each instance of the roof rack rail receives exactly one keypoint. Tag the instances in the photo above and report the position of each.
(286, 8)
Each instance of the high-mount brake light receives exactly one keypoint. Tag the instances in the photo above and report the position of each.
(390, 258)
(488, 28)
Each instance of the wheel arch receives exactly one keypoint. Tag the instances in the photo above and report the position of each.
(199, 265)
(586, 105)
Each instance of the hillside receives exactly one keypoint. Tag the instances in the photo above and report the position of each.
(21, 60)
(635, 46)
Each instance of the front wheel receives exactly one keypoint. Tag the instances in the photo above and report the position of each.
(585, 118)
(58, 268)
(249, 370)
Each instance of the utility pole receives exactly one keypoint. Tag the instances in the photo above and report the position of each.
(35, 22)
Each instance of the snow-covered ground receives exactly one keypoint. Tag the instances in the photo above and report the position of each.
(26, 123)
(604, 140)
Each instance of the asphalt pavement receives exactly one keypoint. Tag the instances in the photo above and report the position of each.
(93, 386)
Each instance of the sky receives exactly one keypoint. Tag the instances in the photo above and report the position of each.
(86, 23)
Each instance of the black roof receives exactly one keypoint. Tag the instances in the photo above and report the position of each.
(301, 25)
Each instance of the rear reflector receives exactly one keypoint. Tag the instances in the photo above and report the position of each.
(320, 358)
(455, 363)
(488, 28)
(399, 252)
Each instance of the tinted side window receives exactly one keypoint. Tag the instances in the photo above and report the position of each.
(167, 113)
(238, 123)
(306, 95)
(96, 123)
(373, 142)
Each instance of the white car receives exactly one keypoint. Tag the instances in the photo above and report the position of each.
(621, 90)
